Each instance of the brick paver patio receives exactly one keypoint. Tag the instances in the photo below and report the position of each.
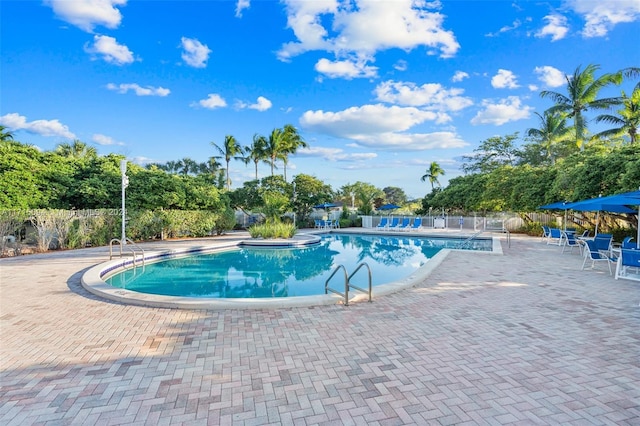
(521, 338)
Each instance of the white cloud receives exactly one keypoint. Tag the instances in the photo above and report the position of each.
(110, 50)
(602, 15)
(242, 5)
(195, 54)
(550, 76)
(15, 122)
(139, 90)
(87, 14)
(212, 101)
(380, 127)
(506, 110)
(533, 87)
(345, 69)
(364, 120)
(364, 27)
(506, 28)
(505, 79)
(335, 154)
(262, 104)
(412, 141)
(105, 140)
(430, 96)
(459, 76)
(556, 27)
(401, 65)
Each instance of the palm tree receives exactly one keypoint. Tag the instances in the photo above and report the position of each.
(582, 95)
(275, 146)
(187, 165)
(628, 119)
(5, 135)
(553, 129)
(76, 149)
(432, 174)
(256, 152)
(292, 141)
(231, 150)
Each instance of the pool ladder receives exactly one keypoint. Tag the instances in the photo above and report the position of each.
(133, 247)
(347, 282)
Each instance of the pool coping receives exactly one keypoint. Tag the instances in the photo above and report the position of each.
(93, 280)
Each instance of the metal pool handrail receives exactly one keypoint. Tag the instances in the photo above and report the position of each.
(347, 282)
(369, 291)
(131, 244)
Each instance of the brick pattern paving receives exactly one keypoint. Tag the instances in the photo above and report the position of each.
(523, 338)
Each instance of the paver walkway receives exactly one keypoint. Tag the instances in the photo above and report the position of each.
(522, 338)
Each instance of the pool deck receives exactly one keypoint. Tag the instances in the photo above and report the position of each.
(522, 338)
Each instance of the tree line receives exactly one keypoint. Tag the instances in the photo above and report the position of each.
(559, 160)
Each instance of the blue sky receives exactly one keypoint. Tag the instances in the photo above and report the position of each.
(378, 89)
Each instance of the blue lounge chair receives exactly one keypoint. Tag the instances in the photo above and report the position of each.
(570, 240)
(627, 243)
(383, 223)
(592, 253)
(555, 236)
(546, 231)
(394, 223)
(404, 224)
(628, 265)
(603, 242)
(417, 223)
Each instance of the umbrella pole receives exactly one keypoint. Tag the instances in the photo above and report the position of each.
(597, 222)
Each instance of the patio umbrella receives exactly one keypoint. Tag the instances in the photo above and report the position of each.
(325, 206)
(618, 203)
(388, 207)
(558, 205)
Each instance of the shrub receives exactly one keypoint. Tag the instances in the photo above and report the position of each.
(272, 229)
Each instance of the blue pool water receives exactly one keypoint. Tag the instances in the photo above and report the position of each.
(286, 272)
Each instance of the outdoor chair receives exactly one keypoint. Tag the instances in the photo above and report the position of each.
(603, 242)
(383, 223)
(546, 231)
(417, 223)
(569, 240)
(592, 253)
(555, 236)
(627, 243)
(628, 265)
(404, 224)
(394, 223)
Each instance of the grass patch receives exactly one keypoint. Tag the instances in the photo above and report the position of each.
(270, 230)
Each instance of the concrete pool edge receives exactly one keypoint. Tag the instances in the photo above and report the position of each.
(93, 281)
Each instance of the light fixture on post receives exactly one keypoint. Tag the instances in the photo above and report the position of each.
(294, 202)
(125, 183)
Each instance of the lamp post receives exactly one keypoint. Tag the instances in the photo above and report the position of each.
(125, 183)
(294, 200)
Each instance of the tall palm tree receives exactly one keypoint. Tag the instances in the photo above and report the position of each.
(231, 150)
(553, 129)
(76, 149)
(275, 147)
(187, 165)
(432, 174)
(292, 141)
(628, 119)
(5, 135)
(582, 95)
(256, 152)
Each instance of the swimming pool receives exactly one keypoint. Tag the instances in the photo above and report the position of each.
(260, 272)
